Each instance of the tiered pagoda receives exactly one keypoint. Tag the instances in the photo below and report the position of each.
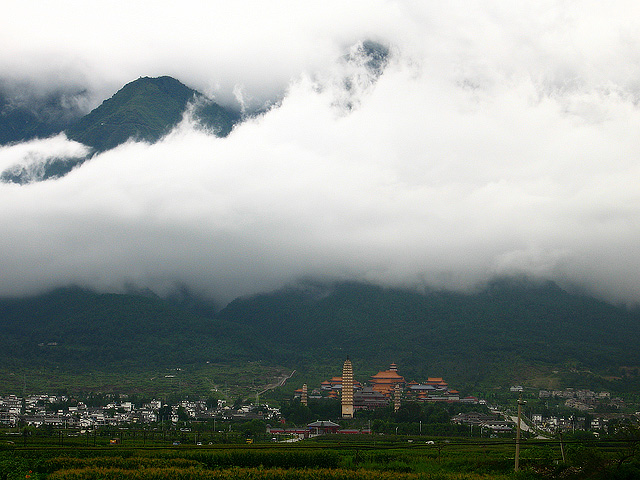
(347, 389)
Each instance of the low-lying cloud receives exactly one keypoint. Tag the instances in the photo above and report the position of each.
(498, 140)
(29, 159)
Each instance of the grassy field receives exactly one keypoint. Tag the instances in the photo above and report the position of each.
(329, 457)
(223, 381)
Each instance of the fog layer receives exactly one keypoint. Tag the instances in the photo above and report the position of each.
(498, 140)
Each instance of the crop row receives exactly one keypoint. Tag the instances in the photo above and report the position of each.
(252, 474)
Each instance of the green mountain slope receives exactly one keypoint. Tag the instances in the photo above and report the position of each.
(80, 329)
(509, 332)
(145, 109)
(499, 333)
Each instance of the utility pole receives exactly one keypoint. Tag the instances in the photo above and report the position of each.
(520, 403)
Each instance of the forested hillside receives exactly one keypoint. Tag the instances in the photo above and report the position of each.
(500, 332)
(79, 329)
(146, 109)
(22, 119)
(507, 332)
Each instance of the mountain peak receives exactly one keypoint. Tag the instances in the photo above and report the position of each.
(145, 109)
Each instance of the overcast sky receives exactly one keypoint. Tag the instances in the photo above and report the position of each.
(503, 138)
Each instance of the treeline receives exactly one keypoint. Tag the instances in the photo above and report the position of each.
(412, 418)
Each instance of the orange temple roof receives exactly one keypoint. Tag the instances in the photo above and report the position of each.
(388, 374)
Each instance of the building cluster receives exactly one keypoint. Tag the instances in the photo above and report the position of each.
(603, 422)
(553, 424)
(319, 427)
(384, 388)
(583, 399)
(59, 411)
(492, 423)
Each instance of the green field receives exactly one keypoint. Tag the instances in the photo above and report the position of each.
(144, 456)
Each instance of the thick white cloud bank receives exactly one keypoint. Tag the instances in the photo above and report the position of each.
(499, 140)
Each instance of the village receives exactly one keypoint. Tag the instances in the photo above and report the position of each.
(61, 411)
(597, 412)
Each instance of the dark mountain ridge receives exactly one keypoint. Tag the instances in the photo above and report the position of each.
(467, 336)
(23, 119)
(508, 332)
(76, 328)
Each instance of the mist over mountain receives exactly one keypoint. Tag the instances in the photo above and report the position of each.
(422, 145)
(144, 110)
(25, 115)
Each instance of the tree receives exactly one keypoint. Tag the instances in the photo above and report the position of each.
(631, 435)
(183, 416)
(409, 412)
(253, 428)
(164, 413)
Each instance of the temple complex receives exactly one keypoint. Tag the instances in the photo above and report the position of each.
(386, 388)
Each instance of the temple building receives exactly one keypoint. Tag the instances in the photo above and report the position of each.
(347, 389)
(369, 399)
(438, 383)
(320, 427)
(335, 384)
(385, 382)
